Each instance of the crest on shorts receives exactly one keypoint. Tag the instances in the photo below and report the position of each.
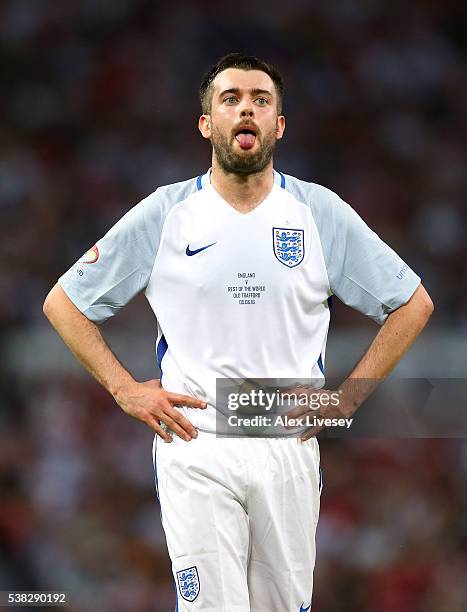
(288, 245)
(188, 583)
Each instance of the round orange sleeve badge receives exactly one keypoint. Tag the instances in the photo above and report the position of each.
(90, 256)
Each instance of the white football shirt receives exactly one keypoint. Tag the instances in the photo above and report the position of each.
(239, 295)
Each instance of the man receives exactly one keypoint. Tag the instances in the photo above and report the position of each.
(239, 513)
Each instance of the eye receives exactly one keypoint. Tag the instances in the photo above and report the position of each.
(261, 101)
(230, 100)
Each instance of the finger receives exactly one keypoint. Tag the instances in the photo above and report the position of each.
(298, 412)
(185, 400)
(310, 433)
(165, 435)
(175, 420)
(181, 421)
(294, 390)
(292, 421)
(175, 427)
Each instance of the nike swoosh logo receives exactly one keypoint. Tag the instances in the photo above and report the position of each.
(302, 609)
(190, 253)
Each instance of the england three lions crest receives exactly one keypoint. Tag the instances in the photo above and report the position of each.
(289, 247)
(188, 583)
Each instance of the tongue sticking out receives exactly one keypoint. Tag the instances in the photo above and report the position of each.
(245, 140)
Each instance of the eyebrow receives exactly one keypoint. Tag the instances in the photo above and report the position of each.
(255, 92)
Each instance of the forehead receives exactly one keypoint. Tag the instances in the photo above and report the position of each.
(235, 78)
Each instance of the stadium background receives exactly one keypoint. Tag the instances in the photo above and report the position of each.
(98, 104)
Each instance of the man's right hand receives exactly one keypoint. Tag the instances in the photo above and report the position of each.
(150, 403)
(146, 401)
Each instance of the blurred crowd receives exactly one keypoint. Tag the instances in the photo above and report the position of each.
(79, 513)
(99, 107)
(393, 532)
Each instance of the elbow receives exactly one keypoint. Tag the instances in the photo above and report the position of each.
(425, 304)
(429, 307)
(47, 306)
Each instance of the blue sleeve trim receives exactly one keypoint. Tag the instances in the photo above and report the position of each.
(282, 180)
(161, 350)
(321, 364)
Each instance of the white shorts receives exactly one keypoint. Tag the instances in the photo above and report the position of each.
(240, 516)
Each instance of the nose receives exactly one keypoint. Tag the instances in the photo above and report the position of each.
(246, 109)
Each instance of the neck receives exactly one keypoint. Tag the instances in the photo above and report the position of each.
(244, 192)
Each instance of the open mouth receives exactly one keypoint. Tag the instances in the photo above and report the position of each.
(246, 138)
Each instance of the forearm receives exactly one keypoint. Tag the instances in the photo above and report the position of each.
(85, 341)
(394, 339)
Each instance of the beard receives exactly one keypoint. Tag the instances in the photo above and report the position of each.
(244, 162)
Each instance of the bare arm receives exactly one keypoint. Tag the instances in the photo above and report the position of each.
(146, 401)
(393, 340)
(391, 343)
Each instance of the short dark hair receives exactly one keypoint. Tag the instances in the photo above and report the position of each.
(242, 62)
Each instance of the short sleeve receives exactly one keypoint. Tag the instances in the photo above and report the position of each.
(119, 266)
(363, 271)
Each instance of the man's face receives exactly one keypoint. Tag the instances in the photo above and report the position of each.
(243, 125)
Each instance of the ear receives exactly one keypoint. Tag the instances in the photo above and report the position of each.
(280, 127)
(204, 126)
